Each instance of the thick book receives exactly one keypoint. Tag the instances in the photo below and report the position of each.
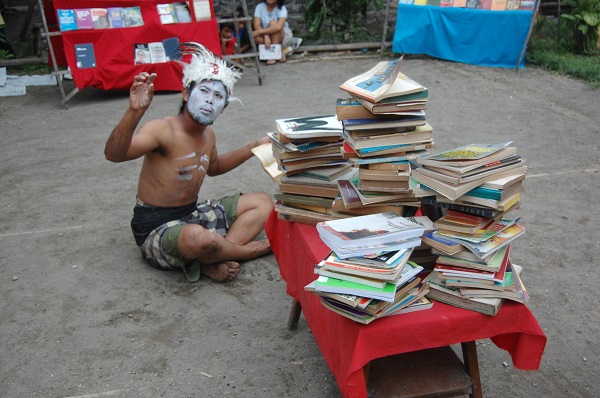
(372, 229)
(83, 17)
(303, 199)
(513, 288)
(353, 108)
(488, 247)
(477, 173)
(132, 16)
(382, 81)
(66, 20)
(454, 191)
(328, 173)
(115, 16)
(386, 293)
(85, 56)
(480, 211)
(398, 103)
(309, 127)
(439, 291)
(407, 119)
(421, 134)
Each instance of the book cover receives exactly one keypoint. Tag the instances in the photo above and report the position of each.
(100, 18)
(498, 5)
(83, 17)
(273, 52)
(157, 52)
(132, 16)
(459, 3)
(202, 10)
(473, 4)
(167, 13)
(66, 20)
(171, 46)
(114, 16)
(141, 54)
(484, 4)
(420, 2)
(464, 155)
(526, 4)
(369, 230)
(183, 12)
(310, 127)
(512, 5)
(85, 56)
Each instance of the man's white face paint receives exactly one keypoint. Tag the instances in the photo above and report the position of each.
(206, 101)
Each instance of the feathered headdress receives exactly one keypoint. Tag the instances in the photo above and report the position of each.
(204, 65)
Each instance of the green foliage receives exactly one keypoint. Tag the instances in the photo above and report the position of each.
(584, 18)
(343, 19)
(4, 54)
(557, 53)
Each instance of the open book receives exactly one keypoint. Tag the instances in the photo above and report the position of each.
(382, 81)
(264, 153)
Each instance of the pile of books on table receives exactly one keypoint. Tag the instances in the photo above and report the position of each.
(307, 156)
(384, 126)
(477, 186)
(368, 274)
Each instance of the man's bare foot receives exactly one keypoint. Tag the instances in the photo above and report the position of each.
(260, 247)
(221, 272)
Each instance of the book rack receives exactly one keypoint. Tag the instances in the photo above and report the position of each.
(114, 48)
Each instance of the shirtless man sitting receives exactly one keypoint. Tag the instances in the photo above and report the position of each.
(172, 228)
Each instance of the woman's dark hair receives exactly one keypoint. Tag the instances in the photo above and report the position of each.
(279, 3)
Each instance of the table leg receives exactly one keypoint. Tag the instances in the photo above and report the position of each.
(294, 315)
(469, 350)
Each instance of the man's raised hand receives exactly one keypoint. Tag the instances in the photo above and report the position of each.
(142, 91)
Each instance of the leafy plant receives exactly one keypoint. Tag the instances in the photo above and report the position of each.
(585, 17)
(342, 17)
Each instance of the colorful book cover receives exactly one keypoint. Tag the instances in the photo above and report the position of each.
(100, 18)
(141, 54)
(498, 5)
(167, 13)
(132, 16)
(512, 5)
(114, 17)
(66, 20)
(83, 16)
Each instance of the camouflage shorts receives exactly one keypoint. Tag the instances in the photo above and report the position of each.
(161, 249)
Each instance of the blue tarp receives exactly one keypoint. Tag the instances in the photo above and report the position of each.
(479, 37)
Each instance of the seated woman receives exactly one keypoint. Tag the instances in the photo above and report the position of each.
(271, 27)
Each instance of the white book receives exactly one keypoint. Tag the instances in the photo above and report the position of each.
(157, 52)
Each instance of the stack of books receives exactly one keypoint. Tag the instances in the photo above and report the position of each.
(307, 156)
(384, 127)
(368, 274)
(477, 186)
(455, 174)
(391, 121)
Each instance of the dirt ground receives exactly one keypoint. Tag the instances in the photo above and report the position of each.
(83, 316)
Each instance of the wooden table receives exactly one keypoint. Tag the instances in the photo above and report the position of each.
(348, 347)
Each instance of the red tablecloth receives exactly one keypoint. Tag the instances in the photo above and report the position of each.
(347, 346)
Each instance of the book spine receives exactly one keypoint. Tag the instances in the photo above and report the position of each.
(477, 211)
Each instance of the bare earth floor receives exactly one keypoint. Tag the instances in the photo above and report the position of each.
(82, 315)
